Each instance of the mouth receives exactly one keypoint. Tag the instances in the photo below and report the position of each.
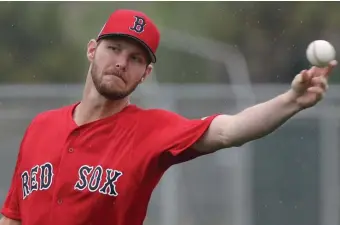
(113, 76)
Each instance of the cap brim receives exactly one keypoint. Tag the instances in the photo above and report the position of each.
(151, 54)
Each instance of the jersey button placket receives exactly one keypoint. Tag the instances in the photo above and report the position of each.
(70, 149)
(75, 133)
(73, 136)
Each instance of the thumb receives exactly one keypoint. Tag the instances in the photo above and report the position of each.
(301, 81)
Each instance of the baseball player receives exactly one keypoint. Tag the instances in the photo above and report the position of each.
(96, 162)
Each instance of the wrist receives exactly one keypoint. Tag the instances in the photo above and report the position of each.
(291, 100)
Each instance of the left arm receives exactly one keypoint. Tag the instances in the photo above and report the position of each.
(255, 122)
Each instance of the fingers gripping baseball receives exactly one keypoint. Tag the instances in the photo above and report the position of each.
(311, 85)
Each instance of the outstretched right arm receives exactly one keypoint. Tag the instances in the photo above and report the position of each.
(8, 221)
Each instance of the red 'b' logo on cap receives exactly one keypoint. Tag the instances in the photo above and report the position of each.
(138, 25)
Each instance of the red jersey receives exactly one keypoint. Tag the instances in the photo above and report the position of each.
(99, 173)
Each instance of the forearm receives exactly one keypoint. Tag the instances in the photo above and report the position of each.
(262, 119)
(7, 221)
(307, 89)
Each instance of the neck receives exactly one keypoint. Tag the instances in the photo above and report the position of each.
(94, 106)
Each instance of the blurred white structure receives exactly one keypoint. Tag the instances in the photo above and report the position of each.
(238, 161)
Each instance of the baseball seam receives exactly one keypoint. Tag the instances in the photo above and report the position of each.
(318, 61)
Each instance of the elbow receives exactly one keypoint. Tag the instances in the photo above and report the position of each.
(228, 140)
(232, 133)
(224, 133)
(229, 143)
(239, 144)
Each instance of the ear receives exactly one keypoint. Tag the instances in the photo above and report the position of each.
(147, 72)
(91, 49)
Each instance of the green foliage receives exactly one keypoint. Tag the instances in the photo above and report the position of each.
(46, 41)
(32, 45)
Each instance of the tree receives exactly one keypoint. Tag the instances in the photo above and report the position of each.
(32, 46)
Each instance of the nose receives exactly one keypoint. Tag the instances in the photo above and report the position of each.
(121, 63)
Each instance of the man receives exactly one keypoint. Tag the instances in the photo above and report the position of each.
(98, 161)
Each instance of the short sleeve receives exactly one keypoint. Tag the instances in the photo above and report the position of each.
(11, 207)
(180, 134)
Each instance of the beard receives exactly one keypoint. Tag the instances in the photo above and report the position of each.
(108, 90)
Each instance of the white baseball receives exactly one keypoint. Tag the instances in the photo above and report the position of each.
(320, 53)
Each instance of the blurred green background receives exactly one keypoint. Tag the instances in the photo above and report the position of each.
(291, 177)
(45, 42)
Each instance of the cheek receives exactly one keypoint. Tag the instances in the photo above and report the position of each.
(100, 64)
(136, 73)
